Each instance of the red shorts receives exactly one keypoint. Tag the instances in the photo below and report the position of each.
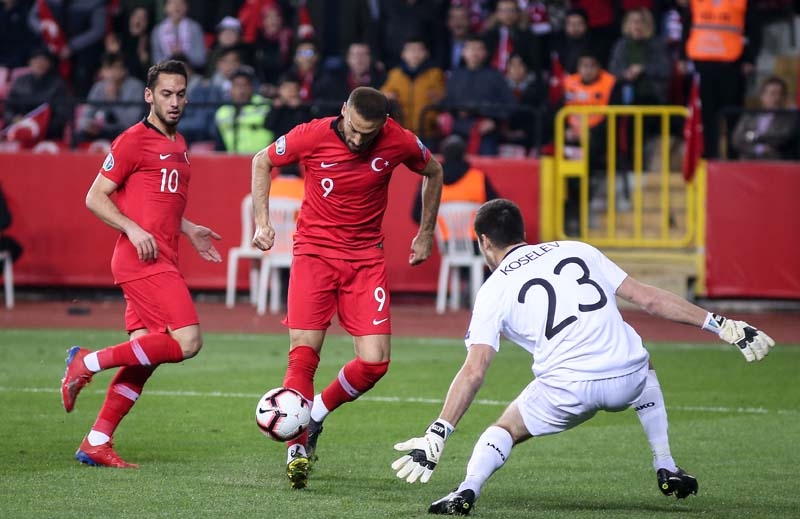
(158, 302)
(319, 287)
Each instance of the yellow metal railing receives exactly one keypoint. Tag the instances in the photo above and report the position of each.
(659, 197)
(663, 226)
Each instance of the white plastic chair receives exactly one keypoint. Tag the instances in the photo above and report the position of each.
(8, 278)
(283, 217)
(283, 213)
(457, 250)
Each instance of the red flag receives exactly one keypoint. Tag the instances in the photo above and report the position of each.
(693, 131)
(557, 75)
(32, 128)
(53, 36)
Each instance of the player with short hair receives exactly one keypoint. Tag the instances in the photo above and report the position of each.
(148, 169)
(557, 301)
(339, 264)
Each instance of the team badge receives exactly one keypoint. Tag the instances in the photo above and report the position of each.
(108, 164)
(280, 145)
(379, 164)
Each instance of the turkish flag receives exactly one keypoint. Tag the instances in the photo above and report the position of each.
(32, 128)
(693, 131)
(53, 36)
(556, 90)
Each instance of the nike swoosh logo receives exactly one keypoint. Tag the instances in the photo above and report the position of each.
(162, 157)
(377, 322)
(325, 165)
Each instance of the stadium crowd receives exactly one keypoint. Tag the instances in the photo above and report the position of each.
(492, 71)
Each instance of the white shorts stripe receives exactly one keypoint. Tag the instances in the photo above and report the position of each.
(141, 356)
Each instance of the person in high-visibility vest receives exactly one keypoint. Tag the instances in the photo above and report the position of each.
(722, 41)
(240, 124)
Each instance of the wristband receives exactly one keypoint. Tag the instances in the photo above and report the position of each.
(441, 427)
(713, 323)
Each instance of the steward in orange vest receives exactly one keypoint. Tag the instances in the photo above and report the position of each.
(592, 86)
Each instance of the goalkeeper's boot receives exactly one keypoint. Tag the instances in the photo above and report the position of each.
(454, 503)
(314, 430)
(297, 471)
(679, 483)
(76, 376)
(101, 456)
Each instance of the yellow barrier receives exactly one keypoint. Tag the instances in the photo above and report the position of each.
(663, 215)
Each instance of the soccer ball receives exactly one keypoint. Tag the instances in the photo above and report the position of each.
(282, 414)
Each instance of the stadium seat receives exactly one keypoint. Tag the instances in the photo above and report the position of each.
(455, 238)
(283, 216)
(8, 278)
(264, 273)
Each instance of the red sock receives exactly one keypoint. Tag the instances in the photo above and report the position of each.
(355, 378)
(303, 362)
(148, 350)
(124, 390)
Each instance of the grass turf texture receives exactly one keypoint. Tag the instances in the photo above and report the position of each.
(733, 425)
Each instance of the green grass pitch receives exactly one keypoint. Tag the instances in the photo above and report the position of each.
(735, 426)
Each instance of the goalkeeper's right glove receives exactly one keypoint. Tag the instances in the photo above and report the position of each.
(752, 342)
(425, 453)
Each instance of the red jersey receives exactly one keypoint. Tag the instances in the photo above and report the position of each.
(345, 193)
(152, 172)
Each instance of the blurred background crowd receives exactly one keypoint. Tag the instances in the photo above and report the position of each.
(492, 71)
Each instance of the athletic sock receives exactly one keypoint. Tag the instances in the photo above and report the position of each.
(652, 415)
(490, 453)
(354, 379)
(318, 410)
(124, 390)
(300, 370)
(148, 350)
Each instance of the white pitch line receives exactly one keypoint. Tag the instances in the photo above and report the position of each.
(407, 400)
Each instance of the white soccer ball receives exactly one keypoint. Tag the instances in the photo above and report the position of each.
(282, 414)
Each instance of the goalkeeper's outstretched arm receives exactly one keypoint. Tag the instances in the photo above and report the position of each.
(752, 342)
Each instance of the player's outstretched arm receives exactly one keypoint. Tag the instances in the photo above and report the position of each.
(422, 244)
(98, 201)
(200, 237)
(425, 452)
(261, 173)
(751, 342)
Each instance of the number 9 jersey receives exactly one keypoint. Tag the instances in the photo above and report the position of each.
(152, 173)
(557, 300)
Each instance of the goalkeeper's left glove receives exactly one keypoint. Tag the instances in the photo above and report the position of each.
(752, 342)
(425, 453)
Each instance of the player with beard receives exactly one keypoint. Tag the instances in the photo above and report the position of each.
(148, 169)
(339, 263)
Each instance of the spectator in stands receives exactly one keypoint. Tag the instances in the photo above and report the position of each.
(208, 13)
(403, 19)
(179, 34)
(7, 243)
(509, 34)
(272, 49)
(573, 41)
(478, 98)
(305, 68)
(41, 85)
(16, 37)
(133, 41)
(197, 124)
(288, 109)
(228, 62)
(334, 86)
(770, 134)
(83, 23)
(722, 42)
(529, 92)
(414, 85)
(229, 36)
(240, 124)
(640, 61)
(603, 24)
(103, 118)
(458, 28)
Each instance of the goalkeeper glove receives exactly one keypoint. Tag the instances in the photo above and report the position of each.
(424, 453)
(752, 342)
